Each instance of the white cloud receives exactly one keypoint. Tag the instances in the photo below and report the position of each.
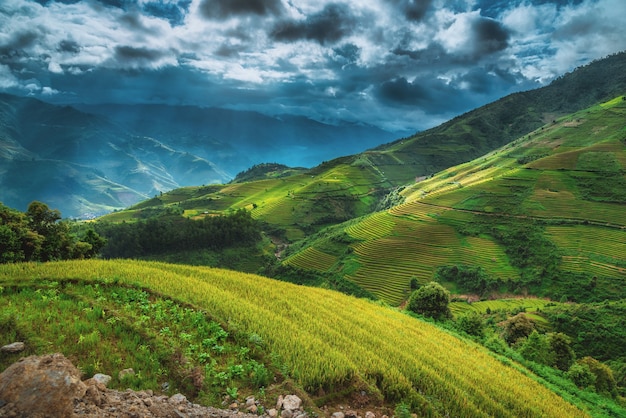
(71, 41)
(7, 79)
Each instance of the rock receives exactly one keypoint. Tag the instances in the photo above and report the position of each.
(338, 414)
(42, 386)
(103, 379)
(252, 409)
(250, 401)
(287, 413)
(351, 414)
(93, 394)
(292, 403)
(370, 414)
(233, 406)
(273, 413)
(177, 399)
(13, 347)
(279, 402)
(126, 372)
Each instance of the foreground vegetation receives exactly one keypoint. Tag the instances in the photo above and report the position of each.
(392, 357)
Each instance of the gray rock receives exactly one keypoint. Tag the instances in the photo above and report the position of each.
(103, 379)
(42, 386)
(15, 347)
(292, 403)
(287, 413)
(177, 399)
(370, 414)
(338, 414)
(273, 413)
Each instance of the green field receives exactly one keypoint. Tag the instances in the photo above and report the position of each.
(390, 356)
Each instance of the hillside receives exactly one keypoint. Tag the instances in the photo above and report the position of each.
(87, 164)
(368, 355)
(543, 215)
(355, 185)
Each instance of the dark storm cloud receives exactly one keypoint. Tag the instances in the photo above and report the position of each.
(490, 36)
(401, 91)
(222, 9)
(329, 25)
(69, 46)
(411, 9)
(131, 55)
(16, 47)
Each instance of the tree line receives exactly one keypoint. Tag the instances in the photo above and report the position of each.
(39, 234)
(159, 236)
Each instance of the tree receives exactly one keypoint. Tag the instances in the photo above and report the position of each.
(560, 347)
(604, 381)
(40, 235)
(471, 323)
(517, 328)
(430, 300)
(581, 375)
(537, 348)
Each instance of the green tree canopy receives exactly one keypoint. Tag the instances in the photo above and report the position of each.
(40, 235)
(430, 300)
(517, 328)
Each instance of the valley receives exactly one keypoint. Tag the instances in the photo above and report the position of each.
(296, 280)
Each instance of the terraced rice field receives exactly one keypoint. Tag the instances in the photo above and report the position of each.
(411, 243)
(312, 259)
(386, 352)
(508, 305)
(564, 205)
(374, 226)
(595, 250)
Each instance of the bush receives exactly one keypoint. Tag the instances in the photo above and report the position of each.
(517, 328)
(471, 323)
(604, 380)
(581, 376)
(430, 300)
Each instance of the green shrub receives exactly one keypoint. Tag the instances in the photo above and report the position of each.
(430, 300)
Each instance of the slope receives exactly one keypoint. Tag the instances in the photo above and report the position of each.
(377, 352)
(543, 215)
(353, 186)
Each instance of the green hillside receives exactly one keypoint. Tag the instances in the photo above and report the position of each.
(209, 331)
(543, 215)
(305, 202)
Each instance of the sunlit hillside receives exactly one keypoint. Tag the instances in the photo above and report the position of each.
(369, 349)
(552, 200)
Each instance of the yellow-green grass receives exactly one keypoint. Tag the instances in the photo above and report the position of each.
(312, 259)
(556, 197)
(507, 305)
(597, 250)
(326, 347)
(408, 242)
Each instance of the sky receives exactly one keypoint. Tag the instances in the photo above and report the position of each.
(401, 65)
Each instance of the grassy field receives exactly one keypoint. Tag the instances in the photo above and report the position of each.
(552, 176)
(365, 347)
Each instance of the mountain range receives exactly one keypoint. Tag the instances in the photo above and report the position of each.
(103, 158)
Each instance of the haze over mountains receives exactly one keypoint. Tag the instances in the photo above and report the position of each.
(86, 164)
